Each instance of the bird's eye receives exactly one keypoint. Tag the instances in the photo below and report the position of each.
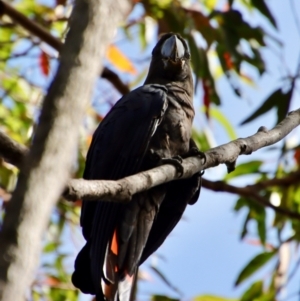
(187, 55)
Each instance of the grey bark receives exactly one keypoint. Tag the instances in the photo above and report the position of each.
(11, 151)
(123, 189)
(46, 168)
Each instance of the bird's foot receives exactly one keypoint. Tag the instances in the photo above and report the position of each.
(194, 151)
(154, 156)
(176, 162)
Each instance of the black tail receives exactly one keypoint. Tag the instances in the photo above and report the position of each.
(82, 277)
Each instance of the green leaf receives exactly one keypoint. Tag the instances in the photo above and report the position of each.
(8, 178)
(263, 8)
(255, 60)
(50, 247)
(176, 19)
(202, 24)
(59, 294)
(261, 225)
(284, 104)
(201, 68)
(241, 203)
(201, 140)
(142, 34)
(221, 118)
(211, 298)
(234, 31)
(256, 213)
(270, 103)
(245, 226)
(255, 264)
(35, 296)
(269, 296)
(162, 298)
(197, 61)
(254, 291)
(244, 169)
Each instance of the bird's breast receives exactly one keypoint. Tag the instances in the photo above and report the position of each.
(173, 134)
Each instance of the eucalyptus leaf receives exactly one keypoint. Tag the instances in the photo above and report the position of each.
(253, 292)
(244, 169)
(254, 265)
(211, 298)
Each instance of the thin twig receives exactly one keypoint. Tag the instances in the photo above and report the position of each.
(249, 192)
(296, 19)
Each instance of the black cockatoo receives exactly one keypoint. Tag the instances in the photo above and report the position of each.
(149, 126)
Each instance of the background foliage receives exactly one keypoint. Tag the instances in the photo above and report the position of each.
(226, 46)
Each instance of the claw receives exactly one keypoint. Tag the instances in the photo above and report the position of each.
(176, 162)
(178, 158)
(194, 151)
(154, 156)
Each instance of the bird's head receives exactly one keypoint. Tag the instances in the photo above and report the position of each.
(170, 60)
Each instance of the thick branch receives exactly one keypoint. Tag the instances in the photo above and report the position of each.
(47, 166)
(38, 31)
(227, 153)
(123, 189)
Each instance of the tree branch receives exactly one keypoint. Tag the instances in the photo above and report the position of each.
(288, 180)
(12, 151)
(250, 192)
(123, 189)
(47, 166)
(227, 154)
(54, 42)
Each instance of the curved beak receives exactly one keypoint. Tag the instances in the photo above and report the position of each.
(173, 48)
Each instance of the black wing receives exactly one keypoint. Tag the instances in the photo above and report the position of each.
(117, 150)
(180, 193)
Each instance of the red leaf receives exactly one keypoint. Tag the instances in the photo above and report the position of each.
(44, 63)
(228, 61)
(99, 117)
(206, 98)
(297, 156)
(77, 203)
(52, 281)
